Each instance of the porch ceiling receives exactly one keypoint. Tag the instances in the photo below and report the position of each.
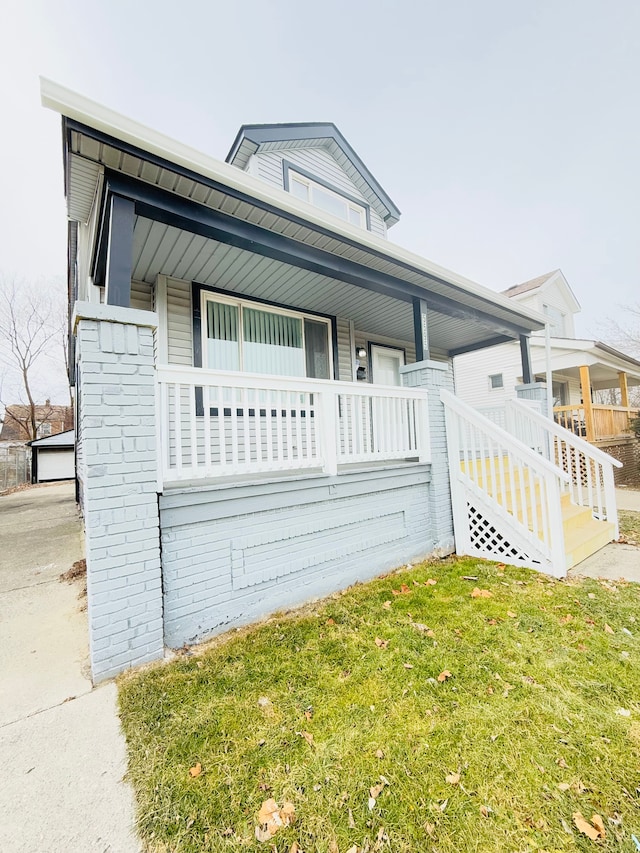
(167, 250)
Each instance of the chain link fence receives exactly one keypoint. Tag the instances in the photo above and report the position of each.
(15, 465)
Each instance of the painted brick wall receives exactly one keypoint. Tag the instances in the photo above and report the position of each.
(434, 375)
(233, 554)
(117, 423)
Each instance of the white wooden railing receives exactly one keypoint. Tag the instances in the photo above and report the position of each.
(216, 423)
(505, 495)
(589, 471)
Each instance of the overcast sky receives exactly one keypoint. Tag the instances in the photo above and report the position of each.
(506, 131)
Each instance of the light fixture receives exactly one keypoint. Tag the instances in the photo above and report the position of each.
(361, 352)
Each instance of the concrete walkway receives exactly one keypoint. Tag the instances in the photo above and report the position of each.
(62, 754)
(628, 499)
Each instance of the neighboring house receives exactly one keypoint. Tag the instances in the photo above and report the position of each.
(580, 369)
(49, 420)
(53, 458)
(264, 386)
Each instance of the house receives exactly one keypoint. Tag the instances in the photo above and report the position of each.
(582, 370)
(264, 387)
(53, 458)
(49, 420)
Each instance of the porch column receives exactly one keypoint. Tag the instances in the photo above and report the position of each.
(117, 474)
(119, 252)
(585, 389)
(525, 356)
(434, 375)
(420, 329)
(624, 390)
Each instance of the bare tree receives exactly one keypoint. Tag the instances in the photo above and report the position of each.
(29, 335)
(625, 335)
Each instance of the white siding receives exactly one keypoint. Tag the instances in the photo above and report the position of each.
(179, 322)
(316, 161)
(472, 371)
(553, 296)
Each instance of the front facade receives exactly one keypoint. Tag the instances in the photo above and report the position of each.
(258, 374)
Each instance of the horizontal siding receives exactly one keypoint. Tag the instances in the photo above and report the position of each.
(363, 339)
(345, 350)
(179, 322)
(472, 371)
(141, 295)
(318, 162)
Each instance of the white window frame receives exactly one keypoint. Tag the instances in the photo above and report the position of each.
(314, 185)
(211, 296)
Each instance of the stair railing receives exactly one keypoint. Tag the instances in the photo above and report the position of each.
(505, 495)
(589, 471)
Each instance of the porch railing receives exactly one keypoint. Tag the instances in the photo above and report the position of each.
(589, 470)
(216, 423)
(598, 424)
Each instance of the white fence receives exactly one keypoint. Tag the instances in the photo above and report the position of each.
(217, 423)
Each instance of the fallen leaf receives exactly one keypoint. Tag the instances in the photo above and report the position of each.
(308, 714)
(196, 770)
(591, 595)
(381, 644)
(430, 633)
(263, 834)
(333, 846)
(566, 619)
(420, 627)
(295, 848)
(268, 809)
(308, 737)
(387, 605)
(443, 805)
(376, 790)
(469, 577)
(563, 786)
(562, 763)
(430, 582)
(511, 614)
(353, 849)
(379, 753)
(429, 828)
(608, 629)
(501, 566)
(484, 811)
(623, 712)
(481, 593)
(585, 827)
(492, 622)
(404, 589)
(444, 675)
(407, 665)
(287, 813)
(352, 823)
(597, 821)
(228, 831)
(452, 778)
(331, 622)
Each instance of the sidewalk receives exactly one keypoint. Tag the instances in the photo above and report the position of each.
(62, 755)
(628, 499)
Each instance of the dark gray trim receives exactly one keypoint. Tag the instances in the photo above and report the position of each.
(99, 136)
(525, 355)
(489, 342)
(162, 206)
(421, 329)
(119, 252)
(259, 134)
(288, 166)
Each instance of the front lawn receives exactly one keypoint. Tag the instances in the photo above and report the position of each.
(402, 715)
(629, 526)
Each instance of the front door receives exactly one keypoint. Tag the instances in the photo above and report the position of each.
(385, 365)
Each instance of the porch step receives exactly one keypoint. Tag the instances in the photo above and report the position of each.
(583, 534)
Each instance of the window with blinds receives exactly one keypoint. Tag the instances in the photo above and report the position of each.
(240, 336)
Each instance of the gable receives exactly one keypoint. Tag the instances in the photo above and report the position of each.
(320, 145)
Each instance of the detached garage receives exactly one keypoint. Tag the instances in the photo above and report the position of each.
(53, 458)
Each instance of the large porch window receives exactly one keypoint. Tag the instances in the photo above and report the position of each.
(242, 336)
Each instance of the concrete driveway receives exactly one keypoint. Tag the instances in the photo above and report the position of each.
(62, 754)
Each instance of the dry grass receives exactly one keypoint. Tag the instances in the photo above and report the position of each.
(311, 709)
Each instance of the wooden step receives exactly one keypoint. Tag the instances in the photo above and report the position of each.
(585, 540)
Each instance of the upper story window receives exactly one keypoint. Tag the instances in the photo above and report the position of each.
(43, 430)
(303, 185)
(256, 338)
(557, 320)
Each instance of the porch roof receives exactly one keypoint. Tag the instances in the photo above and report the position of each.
(604, 361)
(241, 213)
